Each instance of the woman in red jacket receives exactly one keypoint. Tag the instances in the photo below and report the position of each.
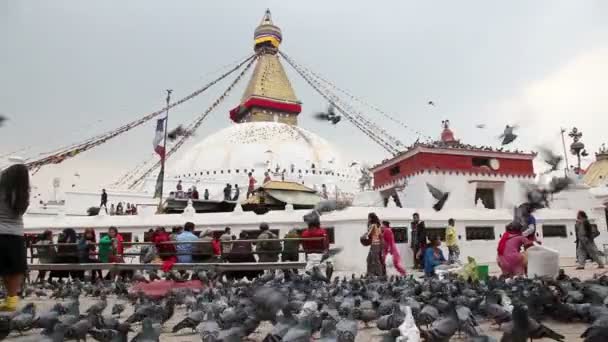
(165, 250)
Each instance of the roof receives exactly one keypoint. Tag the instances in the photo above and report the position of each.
(597, 173)
(456, 148)
(269, 81)
(288, 186)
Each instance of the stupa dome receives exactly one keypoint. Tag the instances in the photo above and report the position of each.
(260, 146)
(267, 31)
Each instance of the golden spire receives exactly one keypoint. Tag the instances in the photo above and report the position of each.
(267, 33)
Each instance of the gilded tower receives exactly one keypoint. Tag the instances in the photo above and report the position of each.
(269, 96)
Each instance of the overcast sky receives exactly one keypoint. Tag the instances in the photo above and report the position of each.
(71, 69)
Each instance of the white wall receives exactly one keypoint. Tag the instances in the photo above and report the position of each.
(349, 224)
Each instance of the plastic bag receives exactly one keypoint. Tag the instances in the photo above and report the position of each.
(469, 270)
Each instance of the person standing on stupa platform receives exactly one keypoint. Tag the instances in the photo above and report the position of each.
(227, 192)
(194, 193)
(267, 177)
(237, 193)
(104, 200)
(251, 187)
(206, 195)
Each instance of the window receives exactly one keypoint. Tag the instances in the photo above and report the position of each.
(393, 171)
(480, 233)
(400, 234)
(435, 232)
(486, 196)
(554, 230)
(481, 161)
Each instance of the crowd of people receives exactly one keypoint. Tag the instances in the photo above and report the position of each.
(427, 254)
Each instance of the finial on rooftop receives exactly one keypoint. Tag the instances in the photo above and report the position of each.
(447, 136)
(267, 34)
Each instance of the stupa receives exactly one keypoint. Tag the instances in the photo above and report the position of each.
(265, 136)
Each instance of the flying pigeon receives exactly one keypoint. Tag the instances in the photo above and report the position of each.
(480, 126)
(508, 136)
(552, 159)
(330, 115)
(2, 119)
(439, 195)
(177, 132)
(431, 103)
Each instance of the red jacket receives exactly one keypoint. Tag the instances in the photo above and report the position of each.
(315, 246)
(118, 250)
(158, 238)
(216, 247)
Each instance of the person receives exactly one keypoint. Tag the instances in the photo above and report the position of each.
(225, 241)
(227, 192)
(585, 246)
(206, 195)
(375, 264)
(46, 254)
(268, 251)
(104, 199)
(105, 245)
(128, 209)
(433, 257)
(529, 229)
(86, 251)
(112, 210)
(251, 186)
(133, 209)
(194, 193)
(418, 242)
(390, 247)
(510, 259)
(67, 254)
(217, 248)
(237, 193)
(165, 250)
(117, 248)
(184, 248)
(204, 249)
(266, 177)
(324, 191)
(179, 187)
(451, 240)
(119, 208)
(291, 248)
(242, 251)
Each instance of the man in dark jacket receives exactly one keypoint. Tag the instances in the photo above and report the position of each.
(268, 250)
(418, 241)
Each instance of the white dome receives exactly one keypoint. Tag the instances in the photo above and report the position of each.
(259, 146)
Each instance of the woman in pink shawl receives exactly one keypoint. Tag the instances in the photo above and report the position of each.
(511, 261)
(390, 247)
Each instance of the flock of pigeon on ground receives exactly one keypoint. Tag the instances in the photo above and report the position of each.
(311, 305)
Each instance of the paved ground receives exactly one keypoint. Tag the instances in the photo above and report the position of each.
(571, 331)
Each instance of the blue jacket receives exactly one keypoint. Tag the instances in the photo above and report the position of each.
(430, 260)
(185, 236)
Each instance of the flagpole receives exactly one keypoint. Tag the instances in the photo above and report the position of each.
(164, 157)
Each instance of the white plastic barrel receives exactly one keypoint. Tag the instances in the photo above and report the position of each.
(542, 262)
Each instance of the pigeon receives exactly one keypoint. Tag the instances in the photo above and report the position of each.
(481, 126)
(117, 309)
(120, 334)
(431, 103)
(191, 321)
(149, 332)
(2, 120)
(438, 195)
(508, 136)
(408, 331)
(98, 307)
(442, 329)
(177, 132)
(330, 115)
(209, 330)
(550, 158)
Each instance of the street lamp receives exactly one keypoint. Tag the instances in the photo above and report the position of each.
(577, 147)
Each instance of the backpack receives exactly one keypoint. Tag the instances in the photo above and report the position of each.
(272, 246)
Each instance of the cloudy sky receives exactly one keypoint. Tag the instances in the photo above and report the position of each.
(72, 69)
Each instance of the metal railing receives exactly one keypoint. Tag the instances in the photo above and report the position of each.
(215, 262)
